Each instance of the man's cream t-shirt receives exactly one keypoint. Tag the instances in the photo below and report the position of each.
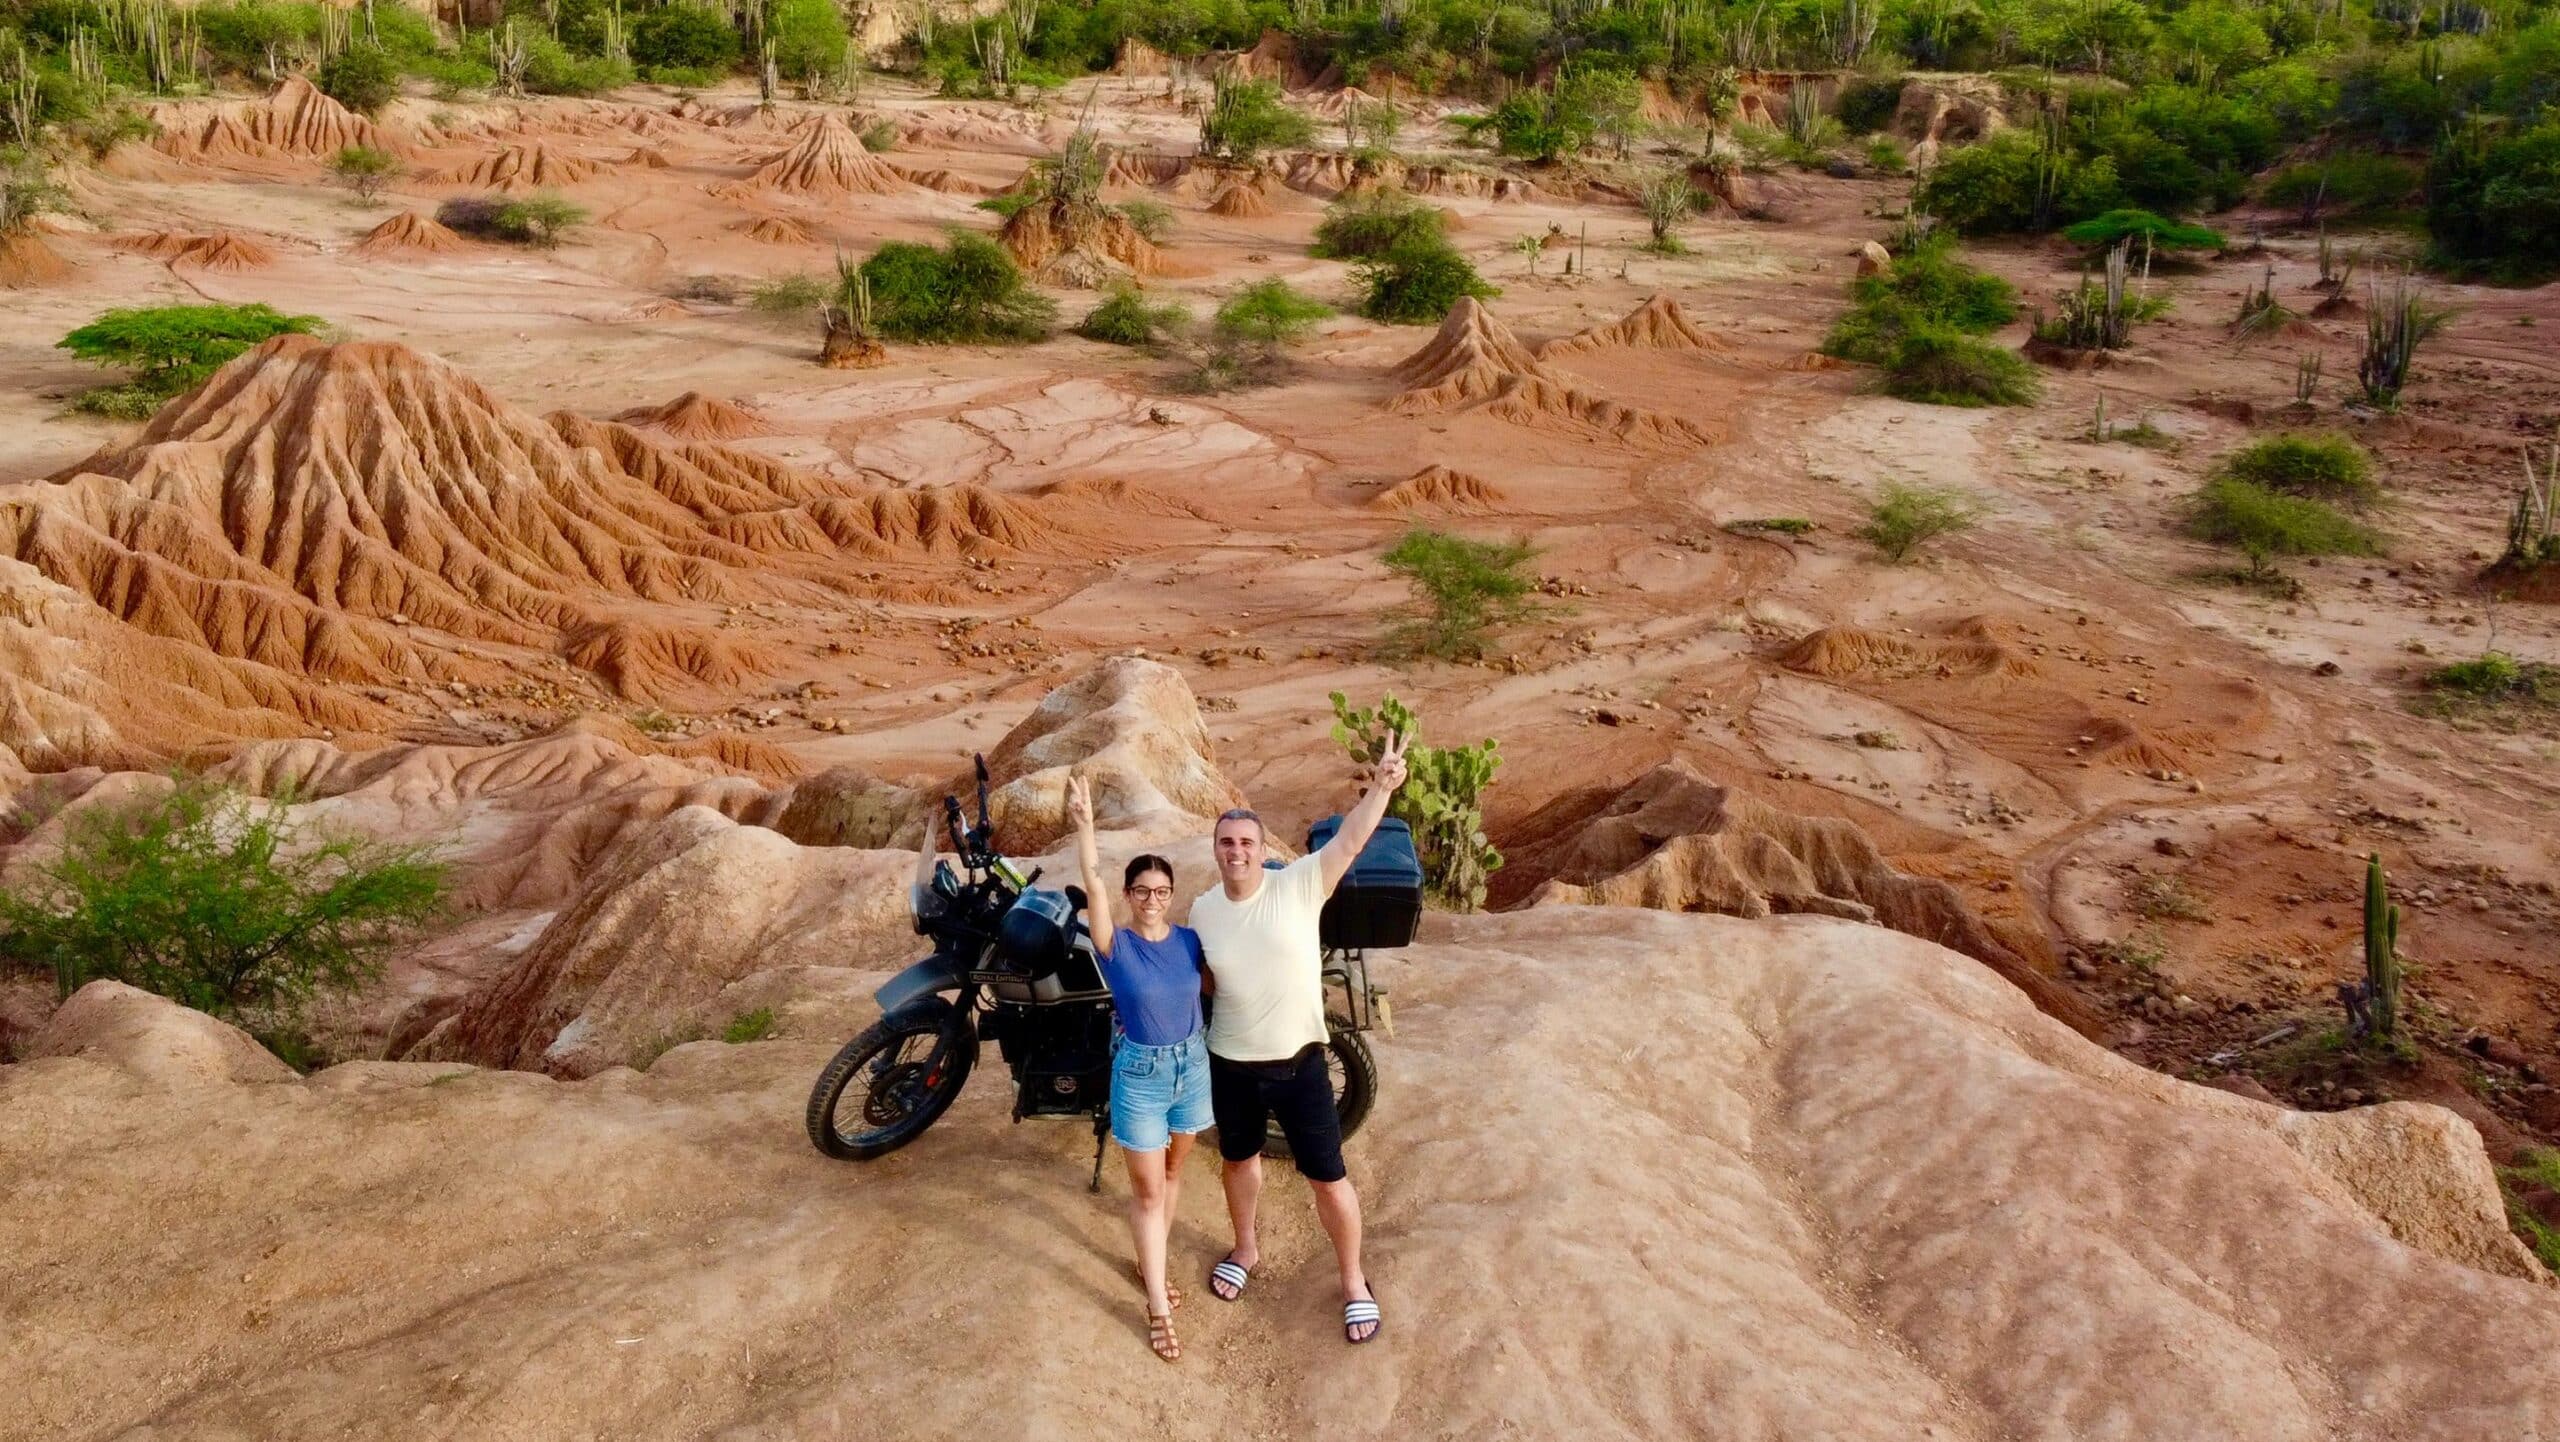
(1269, 964)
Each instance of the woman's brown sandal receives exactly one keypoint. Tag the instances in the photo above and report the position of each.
(1160, 1336)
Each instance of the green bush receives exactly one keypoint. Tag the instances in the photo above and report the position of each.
(1416, 282)
(2007, 183)
(550, 68)
(2495, 675)
(1943, 367)
(453, 75)
(1269, 313)
(2322, 465)
(1441, 801)
(2102, 232)
(1127, 317)
(1246, 118)
(1463, 591)
(684, 36)
(809, 37)
(1866, 103)
(788, 295)
(1374, 222)
(539, 220)
(967, 292)
(172, 348)
(1010, 202)
(2264, 523)
(1903, 518)
(217, 901)
(1927, 287)
(364, 169)
(2347, 183)
(1886, 156)
(749, 1026)
(239, 36)
(1150, 218)
(2493, 204)
(363, 78)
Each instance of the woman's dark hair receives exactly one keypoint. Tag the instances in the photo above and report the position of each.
(1141, 865)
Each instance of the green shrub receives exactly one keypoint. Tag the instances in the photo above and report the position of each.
(362, 78)
(1416, 282)
(1866, 103)
(1441, 801)
(967, 292)
(684, 36)
(1269, 313)
(1463, 591)
(809, 37)
(2265, 524)
(2494, 675)
(1925, 287)
(749, 1026)
(1943, 367)
(217, 901)
(550, 68)
(2347, 183)
(453, 75)
(1903, 518)
(788, 295)
(238, 37)
(1886, 156)
(881, 136)
(1245, 118)
(2493, 205)
(172, 348)
(1150, 218)
(1374, 222)
(539, 220)
(1126, 317)
(2101, 232)
(364, 169)
(2323, 466)
(2007, 183)
(1009, 203)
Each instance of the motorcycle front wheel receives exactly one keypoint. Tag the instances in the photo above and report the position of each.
(1355, 1083)
(893, 1081)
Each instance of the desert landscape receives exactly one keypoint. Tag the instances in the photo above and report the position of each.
(1908, 1002)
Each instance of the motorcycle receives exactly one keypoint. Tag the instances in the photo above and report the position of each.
(1012, 963)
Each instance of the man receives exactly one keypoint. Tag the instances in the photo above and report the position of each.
(1267, 1033)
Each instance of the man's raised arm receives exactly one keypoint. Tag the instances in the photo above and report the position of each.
(1362, 821)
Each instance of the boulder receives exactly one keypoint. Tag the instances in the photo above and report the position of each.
(153, 1039)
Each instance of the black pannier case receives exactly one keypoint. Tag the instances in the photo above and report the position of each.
(1379, 903)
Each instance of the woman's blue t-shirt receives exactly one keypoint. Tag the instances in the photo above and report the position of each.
(1155, 985)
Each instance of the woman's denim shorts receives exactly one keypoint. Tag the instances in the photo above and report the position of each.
(1157, 1091)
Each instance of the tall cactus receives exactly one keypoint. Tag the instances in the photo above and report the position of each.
(2381, 953)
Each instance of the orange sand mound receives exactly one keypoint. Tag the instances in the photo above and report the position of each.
(648, 157)
(697, 417)
(1242, 200)
(776, 230)
(1438, 488)
(1082, 246)
(1476, 361)
(410, 233)
(1144, 169)
(942, 182)
(362, 514)
(827, 159)
(296, 121)
(1658, 324)
(221, 250)
(520, 167)
(26, 260)
(1975, 649)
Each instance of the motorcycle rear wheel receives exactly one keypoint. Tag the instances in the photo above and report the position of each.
(1355, 1083)
(891, 1082)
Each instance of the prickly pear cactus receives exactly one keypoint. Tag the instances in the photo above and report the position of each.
(1442, 799)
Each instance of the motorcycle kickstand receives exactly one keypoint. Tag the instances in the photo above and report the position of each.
(1099, 1136)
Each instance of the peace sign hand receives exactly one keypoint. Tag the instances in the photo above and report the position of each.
(1390, 769)
(1080, 804)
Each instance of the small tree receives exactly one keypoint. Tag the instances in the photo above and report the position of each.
(363, 78)
(1441, 801)
(218, 901)
(1668, 199)
(25, 193)
(967, 292)
(1416, 282)
(1463, 591)
(1904, 518)
(1373, 222)
(1270, 313)
(1127, 317)
(171, 348)
(1244, 118)
(364, 169)
(540, 220)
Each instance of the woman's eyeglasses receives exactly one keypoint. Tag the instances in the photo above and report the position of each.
(1152, 893)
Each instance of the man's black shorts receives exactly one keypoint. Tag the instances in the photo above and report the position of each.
(1247, 1096)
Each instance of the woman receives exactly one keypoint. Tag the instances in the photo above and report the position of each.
(1160, 1054)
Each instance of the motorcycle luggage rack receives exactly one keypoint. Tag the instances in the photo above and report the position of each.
(1347, 967)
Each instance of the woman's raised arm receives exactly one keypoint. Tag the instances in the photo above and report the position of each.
(1097, 902)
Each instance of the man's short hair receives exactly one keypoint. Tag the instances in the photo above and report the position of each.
(1243, 813)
